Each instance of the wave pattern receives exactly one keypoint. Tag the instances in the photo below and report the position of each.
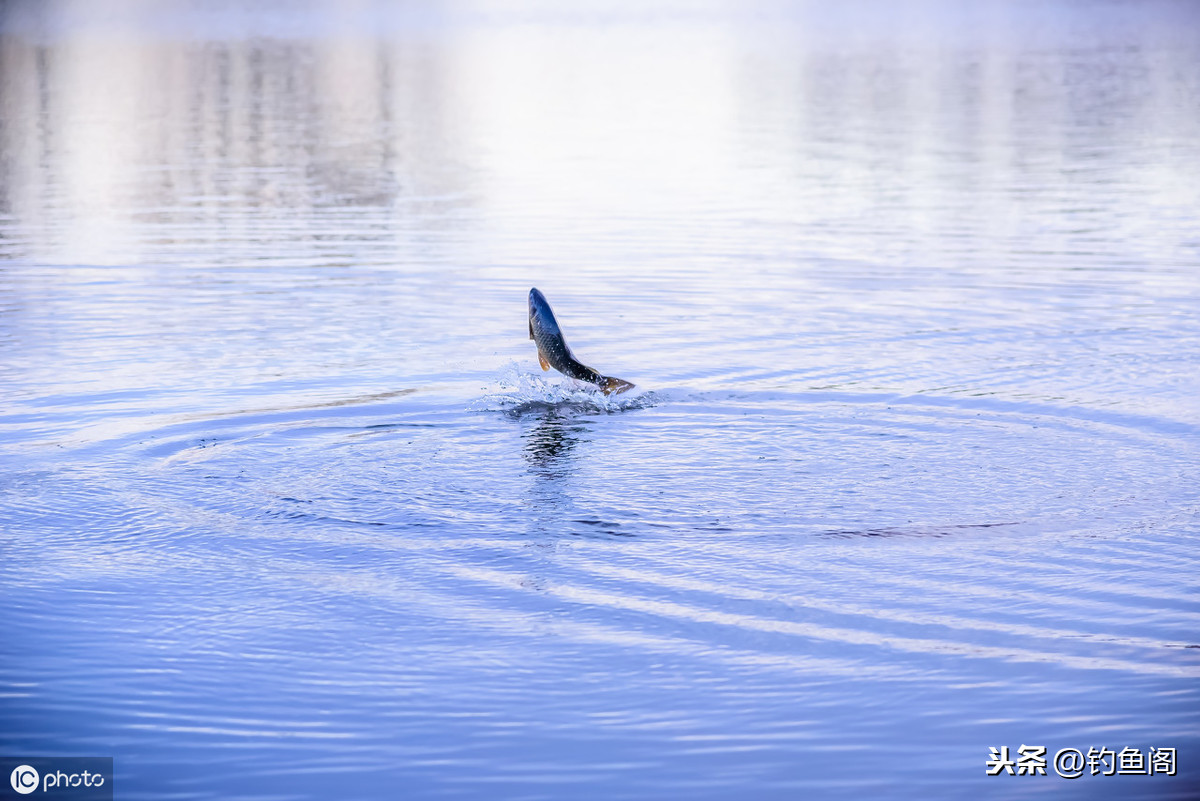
(345, 550)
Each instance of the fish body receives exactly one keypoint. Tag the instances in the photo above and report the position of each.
(553, 350)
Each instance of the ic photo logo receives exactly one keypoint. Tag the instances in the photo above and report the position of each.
(24, 779)
(57, 778)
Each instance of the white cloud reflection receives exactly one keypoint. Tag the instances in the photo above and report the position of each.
(142, 132)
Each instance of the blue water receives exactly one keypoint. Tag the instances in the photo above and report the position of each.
(910, 293)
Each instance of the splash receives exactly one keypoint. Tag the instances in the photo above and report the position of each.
(518, 392)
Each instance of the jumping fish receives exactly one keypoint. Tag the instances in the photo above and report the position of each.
(553, 351)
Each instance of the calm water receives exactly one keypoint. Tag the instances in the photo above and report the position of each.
(911, 293)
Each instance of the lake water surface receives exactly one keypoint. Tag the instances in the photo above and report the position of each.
(910, 293)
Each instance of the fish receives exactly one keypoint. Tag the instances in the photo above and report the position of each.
(553, 351)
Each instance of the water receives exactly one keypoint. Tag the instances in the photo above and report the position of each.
(909, 293)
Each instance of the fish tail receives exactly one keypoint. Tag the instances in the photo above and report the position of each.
(614, 386)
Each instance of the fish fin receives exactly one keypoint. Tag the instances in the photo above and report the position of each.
(615, 386)
(531, 329)
(542, 360)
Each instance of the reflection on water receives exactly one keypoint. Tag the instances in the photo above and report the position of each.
(550, 443)
(908, 291)
(179, 140)
(386, 136)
